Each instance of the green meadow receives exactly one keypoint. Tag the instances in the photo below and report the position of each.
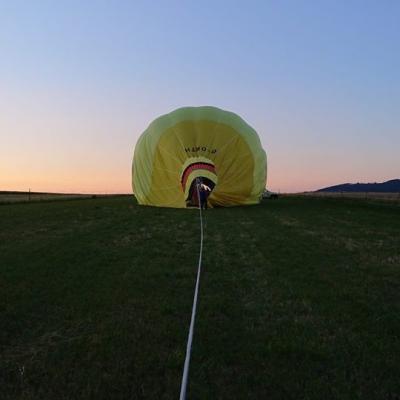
(299, 299)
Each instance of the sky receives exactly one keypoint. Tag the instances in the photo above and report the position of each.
(81, 80)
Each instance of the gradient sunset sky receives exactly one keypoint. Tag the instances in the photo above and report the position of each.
(80, 81)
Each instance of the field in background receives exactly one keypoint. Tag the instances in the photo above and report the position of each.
(299, 298)
(24, 197)
(355, 195)
(17, 197)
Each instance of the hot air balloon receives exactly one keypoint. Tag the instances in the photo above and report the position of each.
(193, 145)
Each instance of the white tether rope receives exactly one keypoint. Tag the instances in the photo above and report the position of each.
(196, 291)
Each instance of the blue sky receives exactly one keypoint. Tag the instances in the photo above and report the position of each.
(80, 81)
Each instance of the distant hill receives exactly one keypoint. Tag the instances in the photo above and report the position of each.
(392, 186)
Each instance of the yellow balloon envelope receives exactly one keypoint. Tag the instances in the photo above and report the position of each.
(214, 145)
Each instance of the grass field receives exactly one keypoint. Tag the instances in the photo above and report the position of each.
(299, 299)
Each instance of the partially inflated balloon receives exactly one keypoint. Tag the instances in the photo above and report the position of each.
(214, 145)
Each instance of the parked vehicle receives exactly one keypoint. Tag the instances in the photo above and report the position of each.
(269, 195)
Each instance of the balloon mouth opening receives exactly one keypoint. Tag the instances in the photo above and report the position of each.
(196, 175)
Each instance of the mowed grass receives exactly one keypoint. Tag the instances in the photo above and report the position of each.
(299, 299)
